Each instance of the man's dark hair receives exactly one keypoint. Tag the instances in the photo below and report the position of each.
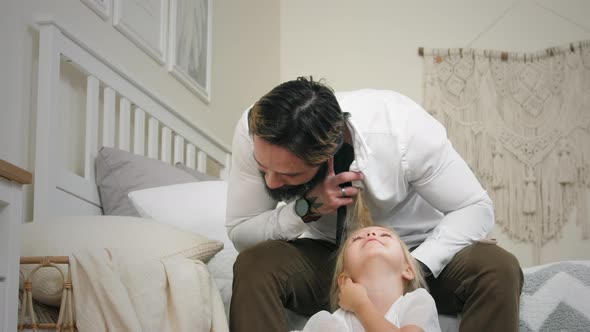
(302, 116)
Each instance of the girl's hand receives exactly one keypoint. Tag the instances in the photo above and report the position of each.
(352, 296)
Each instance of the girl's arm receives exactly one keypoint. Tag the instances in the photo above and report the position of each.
(374, 322)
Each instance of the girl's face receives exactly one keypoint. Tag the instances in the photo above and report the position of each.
(371, 242)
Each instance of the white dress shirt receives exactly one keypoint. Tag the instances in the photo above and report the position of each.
(414, 181)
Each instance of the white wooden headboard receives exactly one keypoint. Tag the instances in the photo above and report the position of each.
(124, 108)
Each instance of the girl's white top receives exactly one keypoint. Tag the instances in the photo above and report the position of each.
(414, 308)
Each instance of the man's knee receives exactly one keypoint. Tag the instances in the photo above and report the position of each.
(261, 261)
(495, 266)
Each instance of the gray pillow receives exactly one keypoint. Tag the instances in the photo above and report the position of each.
(198, 175)
(119, 172)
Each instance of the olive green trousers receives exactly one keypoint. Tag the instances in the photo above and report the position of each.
(482, 283)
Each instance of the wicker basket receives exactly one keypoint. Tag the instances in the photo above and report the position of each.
(66, 319)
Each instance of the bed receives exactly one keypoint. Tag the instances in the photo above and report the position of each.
(125, 124)
(120, 119)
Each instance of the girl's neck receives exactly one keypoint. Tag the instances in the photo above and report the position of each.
(384, 286)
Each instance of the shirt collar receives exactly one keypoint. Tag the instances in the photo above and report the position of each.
(361, 150)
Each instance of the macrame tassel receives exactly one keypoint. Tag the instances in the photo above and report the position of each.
(583, 213)
(498, 165)
(567, 169)
(484, 163)
(530, 192)
(537, 252)
(585, 176)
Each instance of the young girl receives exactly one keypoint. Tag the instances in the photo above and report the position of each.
(378, 287)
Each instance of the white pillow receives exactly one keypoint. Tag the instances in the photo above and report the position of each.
(197, 206)
(66, 235)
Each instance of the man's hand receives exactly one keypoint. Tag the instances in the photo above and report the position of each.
(327, 196)
(352, 296)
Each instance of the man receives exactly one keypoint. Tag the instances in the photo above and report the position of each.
(314, 149)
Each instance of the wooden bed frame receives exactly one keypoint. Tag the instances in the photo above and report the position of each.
(133, 119)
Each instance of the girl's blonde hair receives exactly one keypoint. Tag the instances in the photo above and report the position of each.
(361, 218)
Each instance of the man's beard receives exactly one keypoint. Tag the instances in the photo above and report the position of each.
(288, 193)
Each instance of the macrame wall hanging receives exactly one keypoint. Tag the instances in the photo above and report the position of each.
(522, 123)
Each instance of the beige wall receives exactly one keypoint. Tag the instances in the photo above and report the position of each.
(373, 43)
(245, 65)
(258, 43)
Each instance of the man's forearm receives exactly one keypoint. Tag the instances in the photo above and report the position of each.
(457, 230)
(279, 224)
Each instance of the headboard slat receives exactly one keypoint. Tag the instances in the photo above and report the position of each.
(202, 162)
(139, 131)
(47, 81)
(91, 144)
(124, 124)
(108, 118)
(190, 156)
(178, 149)
(166, 148)
(153, 136)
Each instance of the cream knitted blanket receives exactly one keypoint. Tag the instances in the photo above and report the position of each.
(117, 290)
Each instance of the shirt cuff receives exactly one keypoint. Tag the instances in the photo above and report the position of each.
(292, 225)
(432, 255)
